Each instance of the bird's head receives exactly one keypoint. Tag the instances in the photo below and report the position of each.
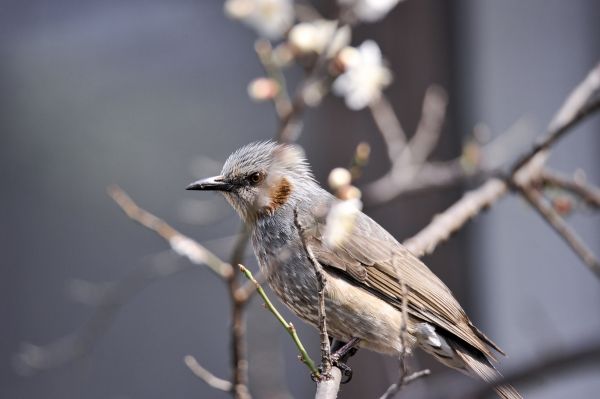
(260, 178)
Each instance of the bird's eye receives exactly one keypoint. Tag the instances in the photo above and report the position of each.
(255, 177)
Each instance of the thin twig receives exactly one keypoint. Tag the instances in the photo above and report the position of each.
(558, 131)
(289, 327)
(206, 376)
(181, 244)
(429, 129)
(322, 283)
(562, 228)
(395, 388)
(238, 324)
(391, 131)
(588, 193)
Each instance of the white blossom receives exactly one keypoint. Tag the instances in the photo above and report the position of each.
(339, 177)
(270, 18)
(316, 36)
(364, 77)
(369, 10)
(340, 221)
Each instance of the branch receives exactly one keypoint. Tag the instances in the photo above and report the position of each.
(523, 172)
(395, 388)
(328, 388)
(239, 357)
(430, 126)
(206, 376)
(451, 220)
(289, 327)
(578, 105)
(322, 282)
(536, 200)
(391, 130)
(181, 244)
(588, 193)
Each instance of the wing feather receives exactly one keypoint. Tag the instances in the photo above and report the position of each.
(375, 260)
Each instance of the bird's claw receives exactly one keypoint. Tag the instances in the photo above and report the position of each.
(346, 371)
(344, 368)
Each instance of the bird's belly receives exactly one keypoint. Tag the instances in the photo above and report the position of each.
(351, 311)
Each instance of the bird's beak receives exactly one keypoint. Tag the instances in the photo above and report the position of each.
(215, 183)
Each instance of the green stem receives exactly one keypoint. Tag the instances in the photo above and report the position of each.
(289, 327)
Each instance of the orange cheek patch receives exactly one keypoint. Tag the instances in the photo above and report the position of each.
(279, 194)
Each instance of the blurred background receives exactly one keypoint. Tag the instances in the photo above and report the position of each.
(152, 95)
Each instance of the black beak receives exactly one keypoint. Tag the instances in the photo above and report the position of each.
(215, 183)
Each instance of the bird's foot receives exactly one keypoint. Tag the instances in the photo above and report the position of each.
(344, 368)
(344, 351)
(346, 371)
(341, 353)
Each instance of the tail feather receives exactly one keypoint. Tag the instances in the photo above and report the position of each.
(481, 367)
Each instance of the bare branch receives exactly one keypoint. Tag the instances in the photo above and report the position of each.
(524, 171)
(562, 228)
(445, 224)
(181, 244)
(588, 193)
(576, 107)
(430, 175)
(430, 126)
(206, 376)
(238, 325)
(577, 99)
(391, 130)
(322, 282)
(395, 388)
(328, 388)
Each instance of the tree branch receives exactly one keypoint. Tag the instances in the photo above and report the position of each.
(206, 376)
(452, 219)
(588, 193)
(322, 282)
(181, 244)
(536, 200)
(523, 172)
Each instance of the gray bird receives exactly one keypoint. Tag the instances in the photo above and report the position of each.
(273, 190)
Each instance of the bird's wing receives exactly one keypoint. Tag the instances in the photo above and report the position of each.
(371, 257)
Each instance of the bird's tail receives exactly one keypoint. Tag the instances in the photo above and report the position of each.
(478, 365)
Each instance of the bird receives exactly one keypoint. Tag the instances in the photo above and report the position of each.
(370, 278)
